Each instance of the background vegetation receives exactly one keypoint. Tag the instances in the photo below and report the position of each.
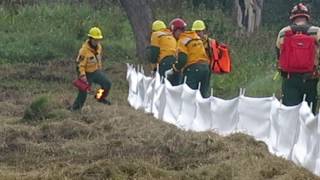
(45, 31)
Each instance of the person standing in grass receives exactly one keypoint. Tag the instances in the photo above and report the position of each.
(192, 58)
(163, 50)
(89, 68)
(298, 58)
(200, 28)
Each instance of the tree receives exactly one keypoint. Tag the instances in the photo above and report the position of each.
(140, 17)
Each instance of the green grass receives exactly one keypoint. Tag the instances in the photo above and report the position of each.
(53, 31)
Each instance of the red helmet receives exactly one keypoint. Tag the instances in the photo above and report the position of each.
(299, 10)
(177, 23)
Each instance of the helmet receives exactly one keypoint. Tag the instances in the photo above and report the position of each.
(299, 10)
(177, 23)
(198, 25)
(95, 33)
(158, 25)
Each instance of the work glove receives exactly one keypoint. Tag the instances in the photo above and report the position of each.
(169, 72)
(316, 72)
(84, 78)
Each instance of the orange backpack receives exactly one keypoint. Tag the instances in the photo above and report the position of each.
(220, 59)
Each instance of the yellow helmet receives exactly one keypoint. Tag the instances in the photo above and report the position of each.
(158, 25)
(95, 33)
(198, 25)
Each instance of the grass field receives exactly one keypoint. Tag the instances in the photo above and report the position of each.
(41, 139)
(112, 142)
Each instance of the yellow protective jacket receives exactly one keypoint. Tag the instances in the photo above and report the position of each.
(191, 44)
(164, 40)
(89, 59)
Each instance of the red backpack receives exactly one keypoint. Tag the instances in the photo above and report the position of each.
(297, 53)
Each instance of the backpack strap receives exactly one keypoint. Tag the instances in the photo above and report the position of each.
(303, 29)
(214, 46)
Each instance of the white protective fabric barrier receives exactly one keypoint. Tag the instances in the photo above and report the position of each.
(284, 128)
(290, 132)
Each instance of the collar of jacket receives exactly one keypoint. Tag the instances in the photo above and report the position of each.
(88, 47)
(189, 34)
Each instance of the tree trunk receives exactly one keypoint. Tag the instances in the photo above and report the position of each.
(239, 14)
(258, 8)
(140, 17)
(249, 14)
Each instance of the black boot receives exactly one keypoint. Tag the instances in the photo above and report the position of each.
(104, 101)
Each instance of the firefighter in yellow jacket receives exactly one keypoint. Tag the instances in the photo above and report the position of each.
(192, 58)
(89, 68)
(163, 49)
(200, 28)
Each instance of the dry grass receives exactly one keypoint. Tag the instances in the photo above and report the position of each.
(114, 142)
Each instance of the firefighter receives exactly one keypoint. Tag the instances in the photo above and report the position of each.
(163, 49)
(298, 63)
(218, 53)
(192, 59)
(200, 28)
(89, 68)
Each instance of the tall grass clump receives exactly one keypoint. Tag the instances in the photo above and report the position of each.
(39, 110)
